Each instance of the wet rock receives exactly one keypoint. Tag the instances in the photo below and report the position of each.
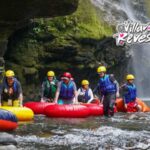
(7, 139)
(34, 8)
(8, 147)
(11, 20)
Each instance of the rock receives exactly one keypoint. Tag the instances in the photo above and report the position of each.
(6, 139)
(11, 20)
(8, 147)
(34, 8)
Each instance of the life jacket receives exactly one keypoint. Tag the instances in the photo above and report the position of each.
(132, 107)
(5, 93)
(106, 85)
(67, 90)
(50, 88)
(86, 96)
(131, 94)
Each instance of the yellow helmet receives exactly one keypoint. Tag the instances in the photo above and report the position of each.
(50, 74)
(101, 69)
(130, 77)
(9, 73)
(85, 82)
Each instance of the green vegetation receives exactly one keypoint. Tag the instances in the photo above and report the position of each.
(84, 23)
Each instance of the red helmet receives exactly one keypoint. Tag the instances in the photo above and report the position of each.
(67, 75)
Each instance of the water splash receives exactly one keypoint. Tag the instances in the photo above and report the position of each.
(102, 138)
(120, 132)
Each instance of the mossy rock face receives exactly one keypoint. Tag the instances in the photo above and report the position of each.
(76, 43)
(16, 14)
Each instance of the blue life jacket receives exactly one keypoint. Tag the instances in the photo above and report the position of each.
(131, 94)
(5, 94)
(86, 96)
(67, 90)
(106, 85)
(15, 85)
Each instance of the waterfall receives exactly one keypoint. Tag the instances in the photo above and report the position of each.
(139, 64)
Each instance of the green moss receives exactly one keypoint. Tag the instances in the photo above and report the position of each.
(84, 23)
(89, 23)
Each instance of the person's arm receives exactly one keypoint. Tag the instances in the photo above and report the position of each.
(75, 94)
(79, 91)
(124, 92)
(57, 92)
(117, 88)
(0, 95)
(1, 90)
(96, 91)
(76, 97)
(112, 78)
(20, 98)
(42, 91)
(92, 97)
(0, 101)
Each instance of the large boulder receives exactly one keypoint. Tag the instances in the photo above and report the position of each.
(16, 14)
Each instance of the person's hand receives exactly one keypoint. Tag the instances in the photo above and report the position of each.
(0, 104)
(55, 101)
(96, 97)
(80, 103)
(125, 106)
(10, 102)
(75, 102)
(81, 93)
(117, 94)
(21, 104)
(42, 100)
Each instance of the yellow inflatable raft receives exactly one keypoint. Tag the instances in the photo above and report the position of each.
(22, 113)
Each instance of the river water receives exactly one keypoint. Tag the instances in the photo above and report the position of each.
(123, 131)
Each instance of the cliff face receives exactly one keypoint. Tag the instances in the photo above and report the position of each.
(16, 14)
(16, 11)
(77, 43)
